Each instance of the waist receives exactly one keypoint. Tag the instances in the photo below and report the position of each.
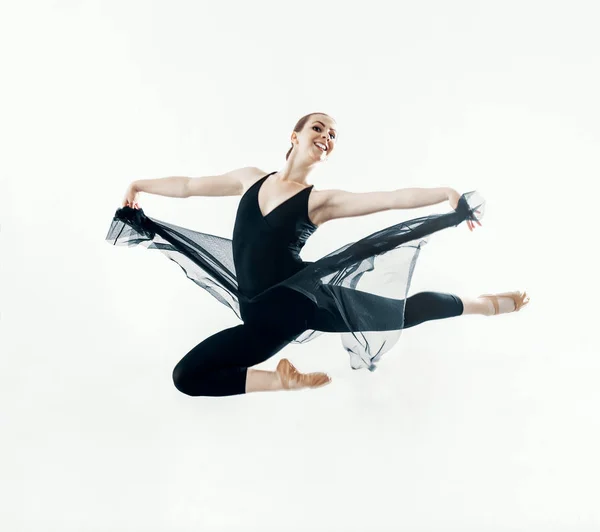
(257, 275)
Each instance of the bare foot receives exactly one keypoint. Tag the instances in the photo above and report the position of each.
(292, 379)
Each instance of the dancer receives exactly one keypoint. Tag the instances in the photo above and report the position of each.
(359, 290)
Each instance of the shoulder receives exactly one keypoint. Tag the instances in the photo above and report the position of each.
(248, 176)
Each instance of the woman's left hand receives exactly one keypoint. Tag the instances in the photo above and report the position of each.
(453, 199)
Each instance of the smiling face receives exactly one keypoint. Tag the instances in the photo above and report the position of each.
(317, 138)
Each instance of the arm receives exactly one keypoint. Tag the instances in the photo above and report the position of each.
(343, 204)
(174, 187)
(228, 184)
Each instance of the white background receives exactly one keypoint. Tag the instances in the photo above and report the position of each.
(470, 424)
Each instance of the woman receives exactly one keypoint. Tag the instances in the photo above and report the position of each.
(282, 299)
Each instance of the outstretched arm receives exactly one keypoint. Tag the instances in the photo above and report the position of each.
(343, 204)
(228, 184)
(232, 183)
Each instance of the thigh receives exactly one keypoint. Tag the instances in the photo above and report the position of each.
(344, 309)
(283, 309)
(241, 346)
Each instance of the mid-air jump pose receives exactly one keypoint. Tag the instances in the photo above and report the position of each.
(359, 290)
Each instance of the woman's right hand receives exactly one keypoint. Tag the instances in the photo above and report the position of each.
(130, 199)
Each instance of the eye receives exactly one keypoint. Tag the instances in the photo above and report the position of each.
(332, 135)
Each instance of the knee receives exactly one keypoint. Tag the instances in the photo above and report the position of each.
(209, 383)
(180, 381)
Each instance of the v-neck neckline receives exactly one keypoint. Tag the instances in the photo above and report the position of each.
(265, 216)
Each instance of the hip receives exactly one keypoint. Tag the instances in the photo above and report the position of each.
(284, 309)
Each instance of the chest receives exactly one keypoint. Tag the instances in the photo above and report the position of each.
(271, 198)
(284, 222)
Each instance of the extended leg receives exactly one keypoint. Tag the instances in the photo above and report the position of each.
(352, 310)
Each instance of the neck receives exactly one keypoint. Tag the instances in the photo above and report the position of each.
(296, 169)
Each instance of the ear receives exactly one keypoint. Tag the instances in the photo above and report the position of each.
(294, 138)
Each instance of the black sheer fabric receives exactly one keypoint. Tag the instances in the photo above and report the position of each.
(381, 264)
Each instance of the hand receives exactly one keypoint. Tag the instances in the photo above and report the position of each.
(453, 198)
(130, 199)
(470, 223)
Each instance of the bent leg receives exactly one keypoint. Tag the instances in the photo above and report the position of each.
(217, 366)
(352, 310)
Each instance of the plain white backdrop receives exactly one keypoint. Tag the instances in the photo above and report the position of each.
(471, 424)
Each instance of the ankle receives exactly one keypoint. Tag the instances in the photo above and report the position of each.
(258, 380)
(500, 304)
(479, 305)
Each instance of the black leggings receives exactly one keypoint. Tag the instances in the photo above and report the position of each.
(217, 366)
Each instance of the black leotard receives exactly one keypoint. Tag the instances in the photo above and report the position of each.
(266, 249)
